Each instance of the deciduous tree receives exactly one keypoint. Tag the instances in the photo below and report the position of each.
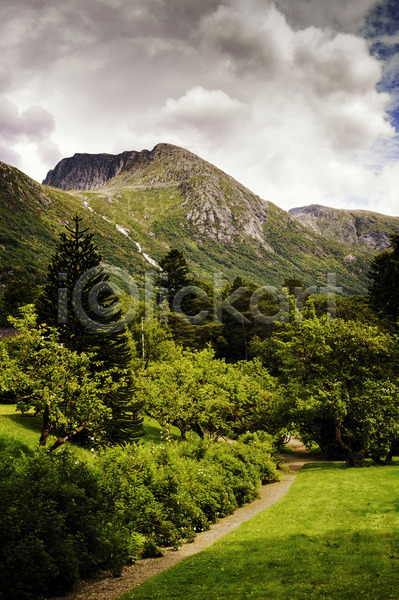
(56, 382)
(340, 384)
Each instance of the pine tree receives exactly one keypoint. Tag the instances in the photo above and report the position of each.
(190, 319)
(384, 275)
(175, 274)
(79, 300)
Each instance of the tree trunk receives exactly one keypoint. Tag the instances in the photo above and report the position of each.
(46, 426)
(355, 459)
(62, 440)
(197, 429)
(182, 427)
(394, 450)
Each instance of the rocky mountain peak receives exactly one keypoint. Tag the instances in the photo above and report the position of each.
(142, 203)
(91, 171)
(213, 206)
(216, 206)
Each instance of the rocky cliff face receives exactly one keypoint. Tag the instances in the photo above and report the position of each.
(163, 165)
(360, 228)
(90, 171)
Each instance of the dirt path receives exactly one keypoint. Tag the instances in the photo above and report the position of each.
(110, 588)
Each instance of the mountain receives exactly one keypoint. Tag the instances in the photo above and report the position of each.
(217, 207)
(360, 228)
(140, 204)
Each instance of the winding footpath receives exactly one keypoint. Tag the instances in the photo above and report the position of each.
(111, 587)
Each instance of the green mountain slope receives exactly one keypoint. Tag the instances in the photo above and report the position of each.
(140, 204)
(31, 217)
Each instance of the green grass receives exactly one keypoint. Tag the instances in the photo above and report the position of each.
(335, 535)
(285, 449)
(153, 432)
(22, 432)
(21, 429)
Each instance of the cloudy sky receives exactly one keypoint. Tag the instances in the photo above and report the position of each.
(297, 99)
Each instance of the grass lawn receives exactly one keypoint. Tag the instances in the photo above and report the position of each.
(335, 535)
(23, 431)
(153, 432)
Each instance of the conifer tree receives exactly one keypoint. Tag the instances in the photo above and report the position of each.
(80, 301)
(175, 274)
(190, 316)
(384, 288)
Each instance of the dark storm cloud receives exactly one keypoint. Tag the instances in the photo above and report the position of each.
(268, 47)
(43, 32)
(148, 45)
(241, 35)
(105, 36)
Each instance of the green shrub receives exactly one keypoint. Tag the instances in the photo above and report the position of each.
(148, 485)
(63, 520)
(171, 492)
(54, 527)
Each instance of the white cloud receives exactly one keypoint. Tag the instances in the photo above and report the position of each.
(26, 132)
(210, 112)
(9, 155)
(281, 96)
(303, 125)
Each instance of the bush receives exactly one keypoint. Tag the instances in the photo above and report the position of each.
(170, 492)
(151, 487)
(54, 527)
(63, 520)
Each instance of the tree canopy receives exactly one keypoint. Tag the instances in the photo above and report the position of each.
(56, 382)
(340, 384)
(175, 274)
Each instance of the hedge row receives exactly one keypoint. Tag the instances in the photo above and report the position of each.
(63, 519)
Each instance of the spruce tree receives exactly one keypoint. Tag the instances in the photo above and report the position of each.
(80, 301)
(175, 274)
(384, 288)
(190, 319)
